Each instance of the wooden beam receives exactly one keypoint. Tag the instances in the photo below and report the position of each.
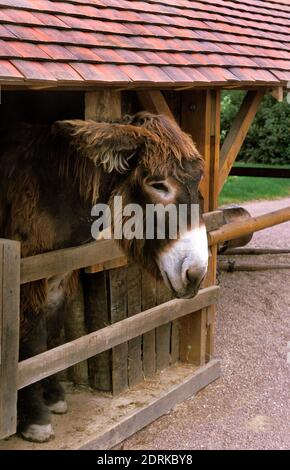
(158, 406)
(9, 334)
(154, 102)
(163, 332)
(104, 105)
(68, 259)
(75, 327)
(100, 422)
(118, 305)
(134, 286)
(43, 365)
(278, 93)
(107, 265)
(103, 253)
(97, 315)
(213, 220)
(148, 298)
(238, 133)
(253, 224)
(213, 192)
(195, 119)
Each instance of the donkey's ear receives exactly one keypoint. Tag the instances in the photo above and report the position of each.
(109, 144)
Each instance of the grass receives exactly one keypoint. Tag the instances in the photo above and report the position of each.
(246, 188)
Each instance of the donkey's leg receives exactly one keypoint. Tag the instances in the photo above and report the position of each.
(35, 417)
(53, 392)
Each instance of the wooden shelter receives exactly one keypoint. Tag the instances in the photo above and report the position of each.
(99, 59)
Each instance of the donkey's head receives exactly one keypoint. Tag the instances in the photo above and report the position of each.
(156, 166)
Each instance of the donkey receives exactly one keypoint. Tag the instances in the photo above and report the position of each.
(51, 176)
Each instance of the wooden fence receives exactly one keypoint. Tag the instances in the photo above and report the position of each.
(15, 271)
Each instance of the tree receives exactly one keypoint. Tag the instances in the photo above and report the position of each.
(268, 140)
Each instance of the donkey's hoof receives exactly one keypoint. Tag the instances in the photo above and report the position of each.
(38, 433)
(59, 408)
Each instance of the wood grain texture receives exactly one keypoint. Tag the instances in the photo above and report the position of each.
(196, 120)
(118, 305)
(158, 406)
(68, 259)
(103, 105)
(97, 317)
(252, 224)
(135, 369)
(213, 192)
(154, 102)
(163, 332)
(102, 254)
(149, 342)
(74, 325)
(45, 364)
(9, 330)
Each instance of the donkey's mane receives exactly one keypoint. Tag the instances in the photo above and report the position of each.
(44, 145)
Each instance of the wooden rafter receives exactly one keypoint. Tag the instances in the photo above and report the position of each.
(154, 102)
(238, 132)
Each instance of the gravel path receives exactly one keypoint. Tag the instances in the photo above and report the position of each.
(249, 407)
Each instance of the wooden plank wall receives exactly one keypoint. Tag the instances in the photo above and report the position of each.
(106, 371)
(125, 291)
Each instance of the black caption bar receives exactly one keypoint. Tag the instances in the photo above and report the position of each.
(142, 459)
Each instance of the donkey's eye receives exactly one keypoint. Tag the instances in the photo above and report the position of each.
(159, 186)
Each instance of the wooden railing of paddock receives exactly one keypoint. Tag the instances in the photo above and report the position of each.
(15, 271)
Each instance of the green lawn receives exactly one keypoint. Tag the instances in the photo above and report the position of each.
(245, 188)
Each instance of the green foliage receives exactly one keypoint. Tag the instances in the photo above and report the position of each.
(268, 140)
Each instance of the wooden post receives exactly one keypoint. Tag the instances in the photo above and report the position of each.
(135, 372)
(74, 324)
(97, 317)
(213, 192)
(250, 225)
(118, 305)
(149, 342)
(167, 336)
(200, 117)
(163, 332)
(238, 132)
(9, 334)
(102, 105)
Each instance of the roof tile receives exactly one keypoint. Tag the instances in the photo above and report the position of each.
(149, 41)
(7, 71)
(33, 70)
(104, 73)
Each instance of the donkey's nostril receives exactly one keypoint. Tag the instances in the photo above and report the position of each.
(192, 276)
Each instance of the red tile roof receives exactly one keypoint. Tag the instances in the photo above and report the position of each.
(135, 42)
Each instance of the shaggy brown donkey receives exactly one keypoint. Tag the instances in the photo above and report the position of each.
(51, 176)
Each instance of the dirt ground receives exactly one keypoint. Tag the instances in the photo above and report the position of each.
(249, 406)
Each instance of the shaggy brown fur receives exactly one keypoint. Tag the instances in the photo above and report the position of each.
(52, 175)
